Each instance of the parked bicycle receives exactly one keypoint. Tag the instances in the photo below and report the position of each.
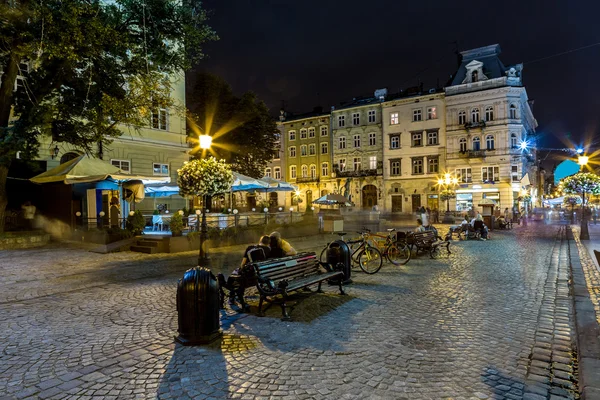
(396, 252)
(366, 256)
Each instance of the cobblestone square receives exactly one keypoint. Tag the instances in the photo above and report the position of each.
(493, 320)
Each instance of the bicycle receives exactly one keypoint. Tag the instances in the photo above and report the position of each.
(396, 252)
(367, 257)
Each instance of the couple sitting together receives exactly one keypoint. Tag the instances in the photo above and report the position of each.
(478, 225)
(272, 246)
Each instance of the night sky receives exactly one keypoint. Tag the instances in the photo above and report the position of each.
(310, 52)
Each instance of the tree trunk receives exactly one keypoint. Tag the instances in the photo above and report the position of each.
(6, 102)
(3, 195)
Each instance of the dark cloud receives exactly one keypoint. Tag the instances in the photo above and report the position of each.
(308, 51)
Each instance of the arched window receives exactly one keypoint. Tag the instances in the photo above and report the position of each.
(462, 117)
(68, 157)
(325, 169)
(462, 144)
(268, 172)
(475, 115)
(293, 172)
(513, 141)
(489, 113)
(489, 142)
(313, 171)
(304, 171)
(512, 111)
(476, 144)
(474, 76)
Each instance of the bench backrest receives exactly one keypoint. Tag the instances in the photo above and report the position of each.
(288, 268)
(427, 236)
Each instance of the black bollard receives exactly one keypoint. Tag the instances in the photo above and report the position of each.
(338, 254)
(198, 307)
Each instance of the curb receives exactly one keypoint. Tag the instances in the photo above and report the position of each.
(586, 322)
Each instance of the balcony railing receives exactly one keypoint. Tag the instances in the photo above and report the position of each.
(471, 125)
(471, 154)
(307, 179)
(361, 172)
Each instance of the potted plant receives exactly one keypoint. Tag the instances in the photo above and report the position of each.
(177, 224)
(136, 223)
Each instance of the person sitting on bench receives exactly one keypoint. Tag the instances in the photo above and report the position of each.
(420, 227)
(264, 244)
(279, 247)
(479, 226)
(252, 253)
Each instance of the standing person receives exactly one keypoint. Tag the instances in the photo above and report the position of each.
(436, 216)
(424, 218)
(114, 212)
(497, 212)
(506, 213)
(28, 213)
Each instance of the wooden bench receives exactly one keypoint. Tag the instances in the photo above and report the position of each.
(280, 276)
(427, 241)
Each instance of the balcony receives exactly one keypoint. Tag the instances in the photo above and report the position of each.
(307, 179)
(472, 125)
(471, 154)
(359, 173)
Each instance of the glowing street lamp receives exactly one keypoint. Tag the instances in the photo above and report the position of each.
(446, 182)
(203, 259)
(585, 234)
(205, 142)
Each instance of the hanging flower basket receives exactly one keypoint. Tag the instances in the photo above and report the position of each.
(447, 195)
(205, 177)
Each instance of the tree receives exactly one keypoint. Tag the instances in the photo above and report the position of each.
(244, 133)
(581, 183)
(92, 65)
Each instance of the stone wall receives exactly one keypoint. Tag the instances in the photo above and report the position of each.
(13, 241)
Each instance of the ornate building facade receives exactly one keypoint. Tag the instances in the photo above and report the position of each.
(358, 150)
(414, 150)
(308, 157)
(488, 117)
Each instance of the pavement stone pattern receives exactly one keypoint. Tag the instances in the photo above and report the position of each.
(492, 320)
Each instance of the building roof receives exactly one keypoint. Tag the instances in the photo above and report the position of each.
(488, 55)
(317, 112)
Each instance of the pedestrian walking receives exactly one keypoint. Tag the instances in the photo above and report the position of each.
(29, 214)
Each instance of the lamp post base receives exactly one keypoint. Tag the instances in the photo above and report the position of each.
(448, 218)
(584, 234)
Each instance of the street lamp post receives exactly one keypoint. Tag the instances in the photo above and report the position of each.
(446, 182)
(585, 234)
(203, 259)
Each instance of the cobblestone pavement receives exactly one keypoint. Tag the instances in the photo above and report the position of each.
(493, 320)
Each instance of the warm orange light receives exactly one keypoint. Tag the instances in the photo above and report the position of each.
(205, 141)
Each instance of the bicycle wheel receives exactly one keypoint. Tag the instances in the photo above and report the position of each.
(435, 252)
(369, 260)
(397, 253)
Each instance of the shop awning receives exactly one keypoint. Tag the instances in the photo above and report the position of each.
(85, 169)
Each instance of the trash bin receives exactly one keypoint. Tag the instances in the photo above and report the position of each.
(338, 254)
(198, 307)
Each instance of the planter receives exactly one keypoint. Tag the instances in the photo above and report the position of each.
(26, 240)
(99, 237)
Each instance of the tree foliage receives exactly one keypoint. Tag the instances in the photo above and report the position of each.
(447, 195)
(581, 182)
(244, 133)
(90, 65)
